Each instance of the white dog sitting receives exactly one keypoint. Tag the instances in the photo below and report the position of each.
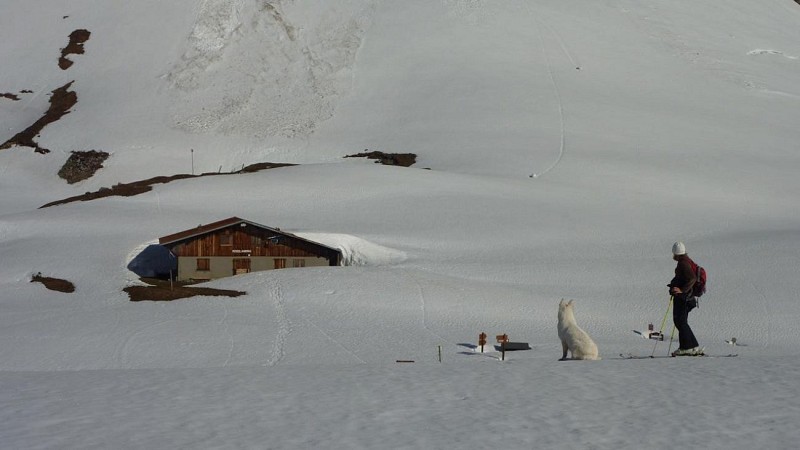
(573, 338)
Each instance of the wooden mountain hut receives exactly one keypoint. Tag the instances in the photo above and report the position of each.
(234, 246)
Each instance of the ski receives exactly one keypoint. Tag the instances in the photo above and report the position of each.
(632, 356)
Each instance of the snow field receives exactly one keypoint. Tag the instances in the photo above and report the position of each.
(645, 123)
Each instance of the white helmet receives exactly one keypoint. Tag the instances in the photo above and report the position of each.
(678, 248)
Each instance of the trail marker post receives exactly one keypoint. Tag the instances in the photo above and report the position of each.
(502, 339)
(482, 340)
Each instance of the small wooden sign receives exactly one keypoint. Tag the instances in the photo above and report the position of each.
(502, 339)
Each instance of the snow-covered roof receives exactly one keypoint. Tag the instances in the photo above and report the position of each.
(226, 223)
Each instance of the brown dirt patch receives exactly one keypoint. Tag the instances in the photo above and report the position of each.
(54, 284)
(140, 187)
(75, 47)
(9, 96)
(82, 165)
(257, 167)
(162, 291)
(61, 101)
(388, 159)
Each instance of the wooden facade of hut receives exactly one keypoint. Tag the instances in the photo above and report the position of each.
(234, 246)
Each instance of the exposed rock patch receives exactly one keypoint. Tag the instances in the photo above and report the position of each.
(82, 165)
(75, 47)
(61, 101)
(140, 187)
(388, 159)
(15, 97)
(257, 167)
(54, 284)
(163, 291)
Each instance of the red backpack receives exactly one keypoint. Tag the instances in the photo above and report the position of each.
(699, 287)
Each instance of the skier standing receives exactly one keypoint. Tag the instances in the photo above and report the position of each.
(683, 301)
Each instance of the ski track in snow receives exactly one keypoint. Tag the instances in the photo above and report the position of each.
(572, 58)
(36, 93)
(759, 51)
(123, 350)
(421, 294)
(558, 98)
(227, 330)
(781, 94)
(284, 325)
(330, 338)
(158, 203)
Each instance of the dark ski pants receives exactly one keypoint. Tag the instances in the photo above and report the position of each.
(681, 305)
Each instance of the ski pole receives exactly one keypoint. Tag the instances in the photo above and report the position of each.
(669, 350)
(663, 321)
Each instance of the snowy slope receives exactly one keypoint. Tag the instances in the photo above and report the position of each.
(570, 144)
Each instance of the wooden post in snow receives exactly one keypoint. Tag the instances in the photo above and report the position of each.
(502, 339)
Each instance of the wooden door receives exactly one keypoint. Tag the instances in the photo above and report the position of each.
(241, 265)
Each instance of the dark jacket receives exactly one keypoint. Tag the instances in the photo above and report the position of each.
(684, 275)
